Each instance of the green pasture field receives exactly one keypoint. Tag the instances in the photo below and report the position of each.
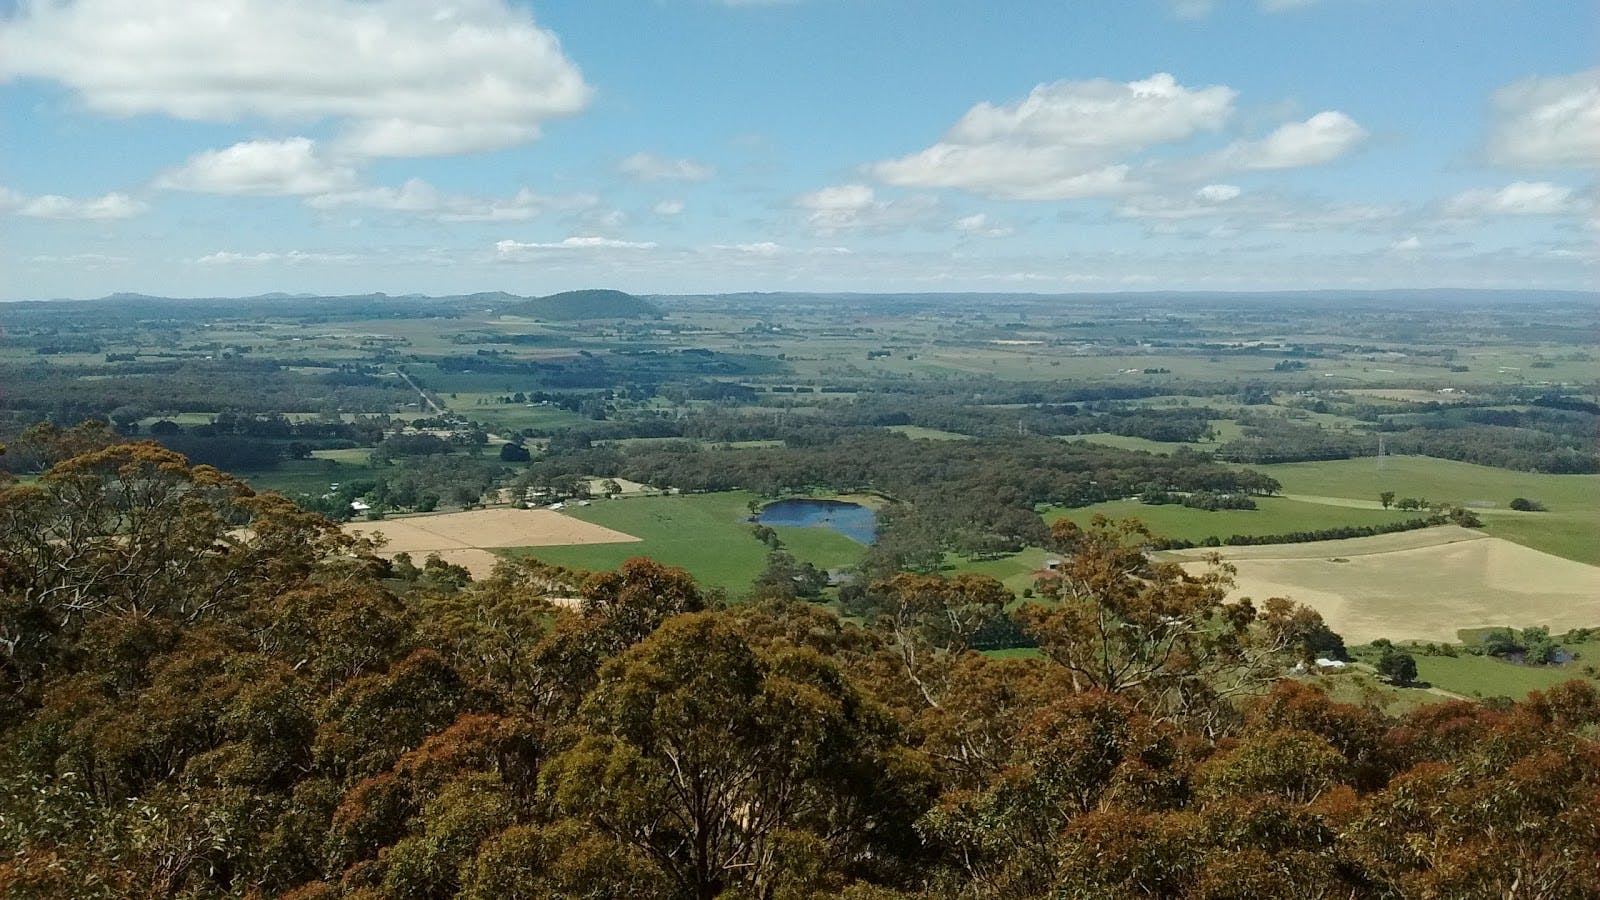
(355, 456)
(929, 434)
(1570, 528)
(1486, 676)
(1126, 442)
(1362, 688)
(706, 534)
(1273, 515)
(294, 477)
(186, 418)
(509, 416)
(1017, 571)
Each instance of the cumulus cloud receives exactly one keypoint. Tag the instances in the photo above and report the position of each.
(106, 207)
(402, 77)
(1320, 139)
(290, 167)
(1520, 198)
(1063, 140)
(1547, 122)
(649, 167)
(668, 208)
(848, 207)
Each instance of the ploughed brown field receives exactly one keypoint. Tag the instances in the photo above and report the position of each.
(1418, 585)
(466, 538)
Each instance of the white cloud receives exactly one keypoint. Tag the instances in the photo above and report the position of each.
(1547, 122)
(509, 250)
(649, 167)
(1099, 113)
(980, 225)
(668, 208)
(760, 248)
(1217, 193)
(404, 77)
(1406, 245)
(1223, 210)
(1063, 140)
(291, 257)
(848, 207)
(290, 167)
(1320, 139)
(418, 197)
(415, 196)
(769, 249)
(1520, 198)
(104, 208)
(89, 260)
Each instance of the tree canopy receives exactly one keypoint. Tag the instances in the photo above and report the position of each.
(209, 693)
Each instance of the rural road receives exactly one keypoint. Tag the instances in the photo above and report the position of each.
(437, 409)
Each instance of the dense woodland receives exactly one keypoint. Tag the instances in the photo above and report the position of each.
(213, 693)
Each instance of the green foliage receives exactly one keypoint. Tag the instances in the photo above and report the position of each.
(270, 719)
(578, 305)
(1397, 666)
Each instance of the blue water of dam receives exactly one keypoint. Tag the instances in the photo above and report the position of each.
(852, 520)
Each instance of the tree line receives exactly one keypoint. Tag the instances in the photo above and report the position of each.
(196, 709)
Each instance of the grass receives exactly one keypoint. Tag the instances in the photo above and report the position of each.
(1273, 515)
(1015, 571)
(1571, 527)
(1419, 585)
(1485, 676)
(1366, 689)
(307, 476)
(356, 456)
(1014, 653)
(704, 533)
(510, 416)
(929, 434)
(1226, 430)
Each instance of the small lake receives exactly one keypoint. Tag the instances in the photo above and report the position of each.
(852, 520)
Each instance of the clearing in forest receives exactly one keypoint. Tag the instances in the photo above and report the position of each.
(464, 538)
(1418, 585)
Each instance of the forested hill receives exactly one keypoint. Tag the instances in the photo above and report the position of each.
(190, 709)
(590, 304)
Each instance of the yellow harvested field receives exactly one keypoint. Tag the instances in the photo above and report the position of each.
(465, 538)
(1419, 585)
(480, 563)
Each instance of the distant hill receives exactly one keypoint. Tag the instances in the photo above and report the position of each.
(592, 304)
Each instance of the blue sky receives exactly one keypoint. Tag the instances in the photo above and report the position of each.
(686, 146)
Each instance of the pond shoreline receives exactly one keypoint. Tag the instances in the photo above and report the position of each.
(854, 520)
